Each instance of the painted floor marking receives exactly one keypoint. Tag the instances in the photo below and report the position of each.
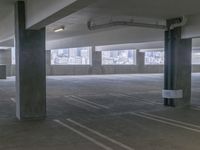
(195, 108)
(84, 135)
(87, 101)
(142, 99)
(79, 106)
(83, 102)
(172, 120)
(101, 135)
(138, 99)
(117, 114)
(166, 122)
(13, 99)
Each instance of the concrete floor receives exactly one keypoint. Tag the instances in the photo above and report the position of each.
(112, 112)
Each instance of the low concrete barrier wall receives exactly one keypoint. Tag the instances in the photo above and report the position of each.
(105, 69)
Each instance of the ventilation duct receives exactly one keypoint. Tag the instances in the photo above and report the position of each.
(180, 22)
(93, 26)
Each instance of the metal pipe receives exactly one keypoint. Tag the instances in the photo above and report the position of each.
(180, 24)
(92, 26)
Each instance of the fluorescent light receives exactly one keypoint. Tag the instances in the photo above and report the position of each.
(60, 29)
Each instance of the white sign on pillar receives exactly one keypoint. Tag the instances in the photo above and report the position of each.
(174, 94)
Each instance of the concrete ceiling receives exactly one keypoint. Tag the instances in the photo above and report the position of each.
(102, 11)
(38, 13)
(157, 45)
(162, 9)
(6, 6)
(106, 10)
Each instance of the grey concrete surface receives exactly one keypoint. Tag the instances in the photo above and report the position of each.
(5, 59)
(96, 59)
(3, 72)
(107, 69)
(113, 106)
(97, 68)
(30, 68)
(178, 68)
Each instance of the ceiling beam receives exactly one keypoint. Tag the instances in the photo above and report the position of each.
(115, 36)
(192, 28)
(42, 13)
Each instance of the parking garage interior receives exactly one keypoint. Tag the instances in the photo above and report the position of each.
(99, 75)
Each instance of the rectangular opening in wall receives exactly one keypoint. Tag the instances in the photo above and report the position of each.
(71, 56)
(156, 57)
(119, 57)
(196, 57)
(13, 56)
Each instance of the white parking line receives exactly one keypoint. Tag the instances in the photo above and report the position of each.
(138, 99)
(117, 114)
(172, 120)
(13, 99)
(195, 108)
(165, 122)
(84, 135)
(85, 100)
(74, 99)
(101, 135)
(143, 99)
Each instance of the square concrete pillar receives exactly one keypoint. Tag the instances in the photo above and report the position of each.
(140, 58)
(48, 62)
(96, 67)
(30, 68)
(177, 78)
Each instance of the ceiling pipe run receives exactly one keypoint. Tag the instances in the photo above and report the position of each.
(93, 26)
(181, 22)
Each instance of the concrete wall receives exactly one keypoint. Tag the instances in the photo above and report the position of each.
(106, 69)
(97, 68)
(196, 68)
(2, 71)
(5, 59)
(109, 69)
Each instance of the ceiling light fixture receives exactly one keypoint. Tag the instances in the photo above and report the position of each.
(60, 29)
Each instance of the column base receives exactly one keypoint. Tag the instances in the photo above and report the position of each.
(31, 118)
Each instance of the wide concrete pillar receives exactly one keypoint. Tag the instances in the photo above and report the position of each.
(30, 68)
(48, 62)
(96, 67)
(140, 58)
(177, 76)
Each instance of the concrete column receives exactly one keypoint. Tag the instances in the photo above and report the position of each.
(48, 62)
(96, 62)
(30, 68)
(177, 78)
(140, 58)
